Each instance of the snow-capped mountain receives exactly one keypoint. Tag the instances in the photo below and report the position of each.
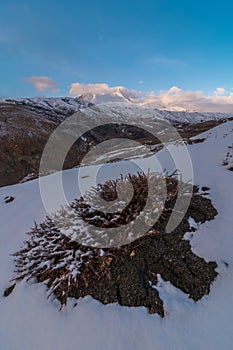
(30, 121)
(57, 109)
(123, 95)
(173, 99)
(123, 112)
(54, 108)
(102, 93)
(117, 94)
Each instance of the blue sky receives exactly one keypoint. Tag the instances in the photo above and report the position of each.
(142, 45)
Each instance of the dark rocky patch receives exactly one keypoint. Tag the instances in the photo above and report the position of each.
(205, 188)
(125, 274)
(9, 199)
(9, 290)
(228, 160)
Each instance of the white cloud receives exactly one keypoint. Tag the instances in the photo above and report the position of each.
(174, 98)
(78, 89)
(43, 83)
(219, 91)
(178, 99)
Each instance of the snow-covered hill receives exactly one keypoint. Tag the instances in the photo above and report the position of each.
(121, 110)
(20, 114)
(54, 108)
(29, 321)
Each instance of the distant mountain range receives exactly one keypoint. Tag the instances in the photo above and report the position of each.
(118, 106)
(54, 108)
(27, 123)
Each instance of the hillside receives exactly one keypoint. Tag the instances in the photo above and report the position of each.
(187, 324)
(26, 124)
(23, 136)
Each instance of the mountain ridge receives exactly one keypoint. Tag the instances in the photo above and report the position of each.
(59, 108)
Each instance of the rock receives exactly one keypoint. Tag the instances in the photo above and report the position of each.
(205, 188)
(9, 290)
(9, 199)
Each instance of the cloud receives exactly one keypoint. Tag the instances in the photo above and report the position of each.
(173, 99)
(177, 99)
(80, 89)
(43, 83)
(102, 89)
(157, 59)
(219, 91)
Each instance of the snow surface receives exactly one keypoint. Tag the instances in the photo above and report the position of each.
(121, 112)
(28, 321)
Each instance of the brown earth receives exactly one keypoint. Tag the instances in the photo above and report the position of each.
(23, 135)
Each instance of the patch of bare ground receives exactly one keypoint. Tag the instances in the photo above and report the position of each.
(126, 274)
(23, 136)
(191, 130)
(228, 160)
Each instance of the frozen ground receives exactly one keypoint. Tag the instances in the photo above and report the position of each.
(28, 321)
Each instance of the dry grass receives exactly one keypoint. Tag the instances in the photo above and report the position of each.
(71, 269)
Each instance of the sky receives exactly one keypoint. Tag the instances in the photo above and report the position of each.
(150, 45)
